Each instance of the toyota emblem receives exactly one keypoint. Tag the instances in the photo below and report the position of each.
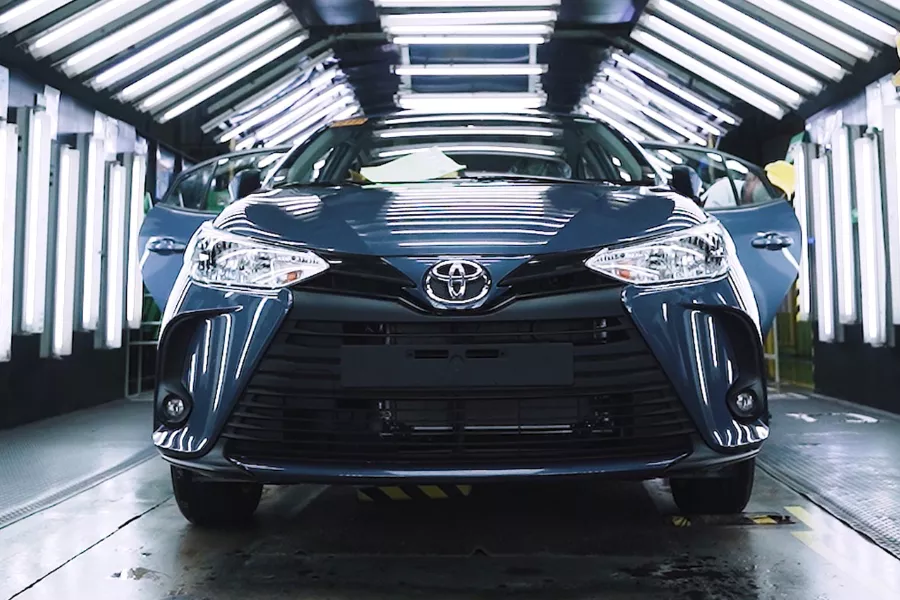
(457, 282)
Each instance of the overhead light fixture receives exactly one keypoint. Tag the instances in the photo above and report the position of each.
(810, 24)
(674, 89)
(468, 40)
(616, 109)
(858, 20)
(845, 258)
(468, 18)
(473, 130)
(801, 209)
(115, 240)
(824, 256)
(493, 30)
(233, 77)
(615, 123)
(475, 102)
(65, 243)
(85, 22)
(309, 121)
(296, 113)
(464, 3)
(173, 42)
(738, 47)
(873, 272)
(134, 289)
(188, 63)
(466, 117)
(724, 62)
(21, 14)
(671, 156)
(93, 174)
(130, 35)
(471, 149)
(349, 111)
(774, 38)
(37, 199)
(476, 70)
(656, 116)
(714, 76)
(9, 144)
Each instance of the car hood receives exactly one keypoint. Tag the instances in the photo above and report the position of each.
(475, 218)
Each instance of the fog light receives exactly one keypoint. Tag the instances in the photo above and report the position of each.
(745, 404)
(174, 410)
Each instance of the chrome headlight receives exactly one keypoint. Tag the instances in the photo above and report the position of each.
(695, 254)
(219, 258)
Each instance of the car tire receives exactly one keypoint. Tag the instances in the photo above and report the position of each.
(214, 503)
(728, 494)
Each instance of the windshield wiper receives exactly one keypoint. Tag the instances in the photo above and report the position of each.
(545, 179)
(316, 184)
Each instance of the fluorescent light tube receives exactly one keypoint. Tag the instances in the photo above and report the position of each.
(401, 120)
(344, 114)
(469, 18)
(175, 41)
(671, 156)
(134, 298)
(463, 3)
(115, 241)
(310, 121)
(674, 89)
(613, 122)
(656, 116)
(37, 199)
(824, 255)
(724, 62)
(203, 54)
(233, 77)
(477, 102)
(858, 20)
(738, 47)
(130, 35)
(871, 241)
(64, 271)
(467, 40)
(475, 130)
(845, 258)
(712, 75)
(93, 234)
(495, 30)
(296, 113)
(472, 148)
(469, 70)
(801, 208)
(85, 22)
(812, 25)
(24, 13)
(773, 38)
(615, 109)
(9, 144)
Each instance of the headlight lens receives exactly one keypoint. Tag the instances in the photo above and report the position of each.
(694, 254)
(220, 258)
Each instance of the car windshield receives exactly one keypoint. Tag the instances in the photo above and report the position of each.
(405, 149)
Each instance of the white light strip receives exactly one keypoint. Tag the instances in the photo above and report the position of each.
(131, 35)
(467, 40)
(115, 241)
(801, 208)
(9, 143)
(494, 30)
(66, 233)
(134, 290)
(463, 3)
(723, 61)
(474, 130)
(845, 259)
(466, 117)
(472, 148)
(824, 257)
(85, 22)
(656, 116)
(469, 70)
(738, 47)
(812, 25)
(786, 44)
(93, 235)
(712, 75)
(173, 42)
(36, 217)
(674, 89)
(233, 77)
(186, 63)
(279, 107)
(469, 18)
(478, 102)
(25, 13)
(296, 113)
(892, 190)
(871, 241)
(344, 114)
(612, 122)
(671, 156)
(858, 20)
(651, 95)
(310, 121)
(653, 130)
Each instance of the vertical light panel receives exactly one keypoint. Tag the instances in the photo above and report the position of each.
(821, 200)
(135, 287)
(844, 247)
(871, 240)
(92, 185)
(892, 181)
(115, 255)
(8, 173)
(64, 271)
(37, 198)
(801, 207)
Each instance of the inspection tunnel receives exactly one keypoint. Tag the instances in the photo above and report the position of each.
(364, 299)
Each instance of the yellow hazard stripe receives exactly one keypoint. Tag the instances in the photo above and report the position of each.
(433, 492)
(395, 493)
(764, 521)
(465, 490)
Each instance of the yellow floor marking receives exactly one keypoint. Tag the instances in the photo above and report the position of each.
(465, 490)
(395, 493)
(681, 522)
(433, 492)
(362, 496)
(764, 521)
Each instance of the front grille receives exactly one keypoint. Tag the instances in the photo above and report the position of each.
(359, 275)
(554, 274)
(620, 405)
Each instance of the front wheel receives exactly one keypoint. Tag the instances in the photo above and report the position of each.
(214, 503)
(726, 494)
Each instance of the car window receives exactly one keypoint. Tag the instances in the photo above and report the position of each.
(189, 190)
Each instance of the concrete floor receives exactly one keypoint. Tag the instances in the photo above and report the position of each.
(125, 539)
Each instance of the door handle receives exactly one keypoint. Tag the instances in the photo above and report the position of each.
(771, 241)
(165, 245)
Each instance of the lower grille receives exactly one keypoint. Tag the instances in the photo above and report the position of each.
(620, 405)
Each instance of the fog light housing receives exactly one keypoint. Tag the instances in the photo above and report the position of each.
(745, 403)
(174, 410)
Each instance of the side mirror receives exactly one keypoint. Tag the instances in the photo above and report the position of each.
(686, 182)
(244, 183)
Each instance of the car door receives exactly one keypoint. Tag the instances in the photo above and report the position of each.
(758, 216)
(196, 196)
